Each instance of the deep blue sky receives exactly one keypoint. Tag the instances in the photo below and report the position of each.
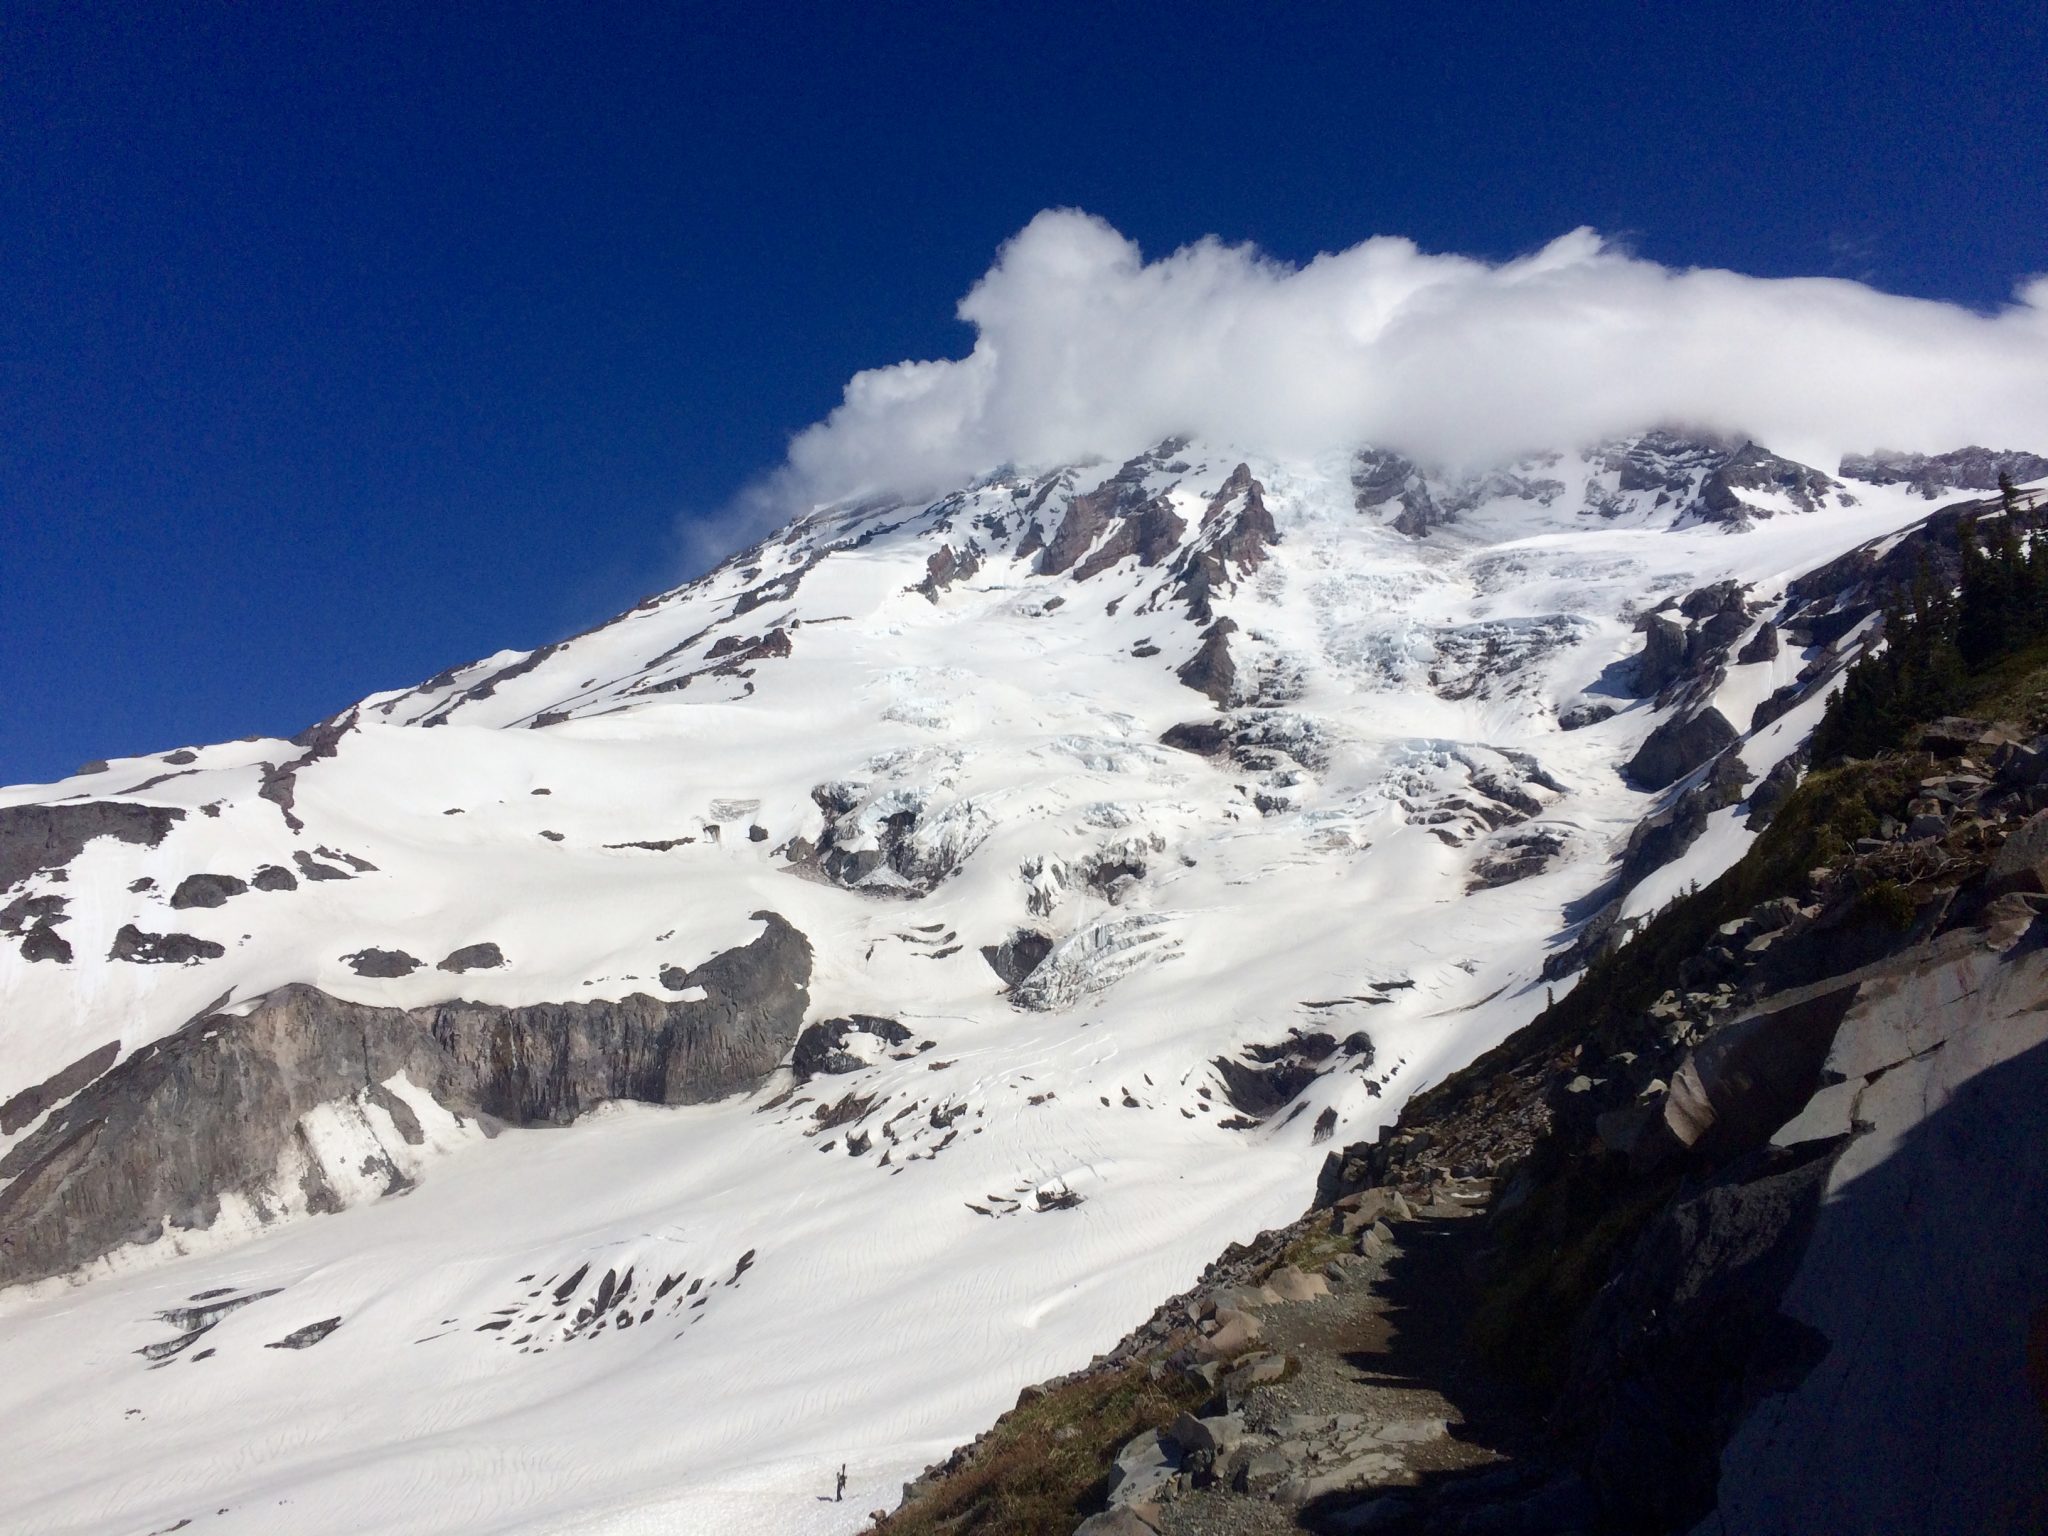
(341, 343)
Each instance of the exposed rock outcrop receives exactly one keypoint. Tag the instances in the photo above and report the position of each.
(139, 948)
(34, 837)
(1135, 524)
(1932, 475)
(1211, 669)
(206, 891)
(946, 566)
(219, 1108)
(821, 1049)
(382, 964)
(1381, 478)
(1017, 956)
(473, 957)
(1678, 746)
(889, 839)
(56, 1088)
(280, 783)
(1232, 541)
(1744, 487)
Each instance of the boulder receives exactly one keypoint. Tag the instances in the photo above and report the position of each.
(1291, 1284)
(1214, 1435)
(1377, 1241)
(274, 877)
(1236, 1332)
(1259, 1368)
(1143, 1468)
(1773, 791)
(1369, 1206)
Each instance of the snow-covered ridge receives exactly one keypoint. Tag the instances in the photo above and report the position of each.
(1207, 751)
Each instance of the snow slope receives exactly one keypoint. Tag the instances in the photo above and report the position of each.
(906, 776)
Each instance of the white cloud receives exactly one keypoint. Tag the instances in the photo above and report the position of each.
(1084, 349)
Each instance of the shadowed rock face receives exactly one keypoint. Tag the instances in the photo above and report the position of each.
(1017, 956)
(1677, 747)
(217, 1107)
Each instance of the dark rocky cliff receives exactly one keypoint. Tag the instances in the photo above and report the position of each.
(217, 1109)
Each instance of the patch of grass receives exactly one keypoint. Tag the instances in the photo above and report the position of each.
(1315, 1248)
(1030, 1477)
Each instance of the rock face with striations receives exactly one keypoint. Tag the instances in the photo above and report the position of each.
(217, 1108)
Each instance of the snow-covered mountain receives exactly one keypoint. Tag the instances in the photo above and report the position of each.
(854, 985)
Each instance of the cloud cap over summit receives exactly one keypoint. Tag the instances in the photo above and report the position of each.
(1084, 348)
